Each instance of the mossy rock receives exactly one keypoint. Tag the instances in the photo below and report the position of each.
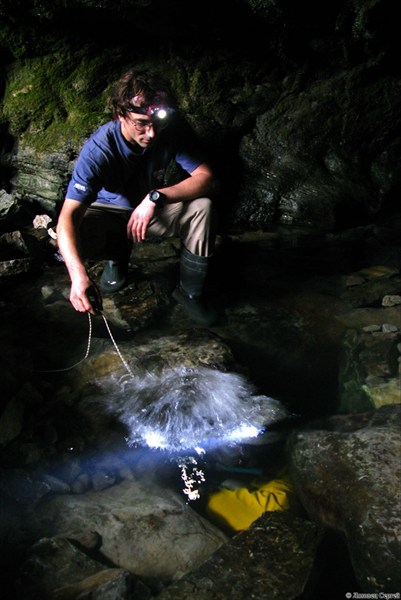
(57, 100)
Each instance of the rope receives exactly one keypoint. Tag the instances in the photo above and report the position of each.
(88, 350)
(115, 345)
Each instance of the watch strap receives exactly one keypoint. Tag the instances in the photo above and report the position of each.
(156, 197)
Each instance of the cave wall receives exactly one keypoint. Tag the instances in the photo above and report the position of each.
(298, 103)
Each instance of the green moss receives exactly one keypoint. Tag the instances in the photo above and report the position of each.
(355, 398)
(362, 26)
(207, 91)
(55, 101)
(383, 394)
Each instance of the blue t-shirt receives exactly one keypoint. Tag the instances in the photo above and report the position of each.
(110, 170)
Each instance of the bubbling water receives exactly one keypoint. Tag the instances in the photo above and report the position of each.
(191, 408)
(192, 476)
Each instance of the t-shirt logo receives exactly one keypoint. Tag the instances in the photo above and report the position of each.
(78, 186)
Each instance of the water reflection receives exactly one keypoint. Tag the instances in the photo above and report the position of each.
(190, 408)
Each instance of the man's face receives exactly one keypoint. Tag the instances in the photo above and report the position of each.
(138, 129)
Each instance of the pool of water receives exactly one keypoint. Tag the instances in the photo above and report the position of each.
(194, 426)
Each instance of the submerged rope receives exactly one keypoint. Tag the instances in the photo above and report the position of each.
(88, 349)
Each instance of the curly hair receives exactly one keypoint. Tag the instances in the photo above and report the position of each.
(149, 87)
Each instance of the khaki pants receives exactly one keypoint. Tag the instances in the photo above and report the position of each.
(104, 235)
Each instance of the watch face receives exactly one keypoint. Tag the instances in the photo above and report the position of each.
(154, 195)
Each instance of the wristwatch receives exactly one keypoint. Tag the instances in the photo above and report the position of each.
(157, 197)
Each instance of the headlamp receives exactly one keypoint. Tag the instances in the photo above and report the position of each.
(152, 111)
(158, 112)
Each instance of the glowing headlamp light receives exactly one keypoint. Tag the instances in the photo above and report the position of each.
(154, 112)
(158, 112)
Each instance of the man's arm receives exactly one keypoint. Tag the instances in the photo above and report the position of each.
(201, 183)
(68, 239)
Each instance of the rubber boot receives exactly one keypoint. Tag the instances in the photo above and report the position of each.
(193, 272)
(114, 276)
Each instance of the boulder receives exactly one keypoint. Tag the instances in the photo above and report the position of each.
(144, 528)
(347, 473)
(272, 559)
(52, 564)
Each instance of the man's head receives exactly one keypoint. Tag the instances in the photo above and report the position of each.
(142, 101)
(140, 90)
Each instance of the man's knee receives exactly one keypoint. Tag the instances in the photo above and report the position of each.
(203, 213)
(203, 206)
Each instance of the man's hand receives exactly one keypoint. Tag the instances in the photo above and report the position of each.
(84, 296)
(140, 219)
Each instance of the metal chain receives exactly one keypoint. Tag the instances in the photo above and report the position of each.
(88, 347)
(116, 347)
(88, 350)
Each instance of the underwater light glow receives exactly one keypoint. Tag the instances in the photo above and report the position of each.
(190, 408)
(153, 439)
(243, 432)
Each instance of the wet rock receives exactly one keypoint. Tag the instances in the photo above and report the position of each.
(112, 463)
(16, 266)
(13, 214)
(21, 251)
(272, 559)
(22, 487)
(52, 564)
(354, 279)
(383, 393)
(102, 479)
(371, 328)
(56, 485)
(90, 540)
(7, 203)
(137, 305)
(391, 300)
(81, 484)
(129, 516)
(347, 474)
(13, 245)
(191, 347)
(281, 180)
(367, 355)
(368, 317)
(108, 584)
(376, 283)
(42, 178)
